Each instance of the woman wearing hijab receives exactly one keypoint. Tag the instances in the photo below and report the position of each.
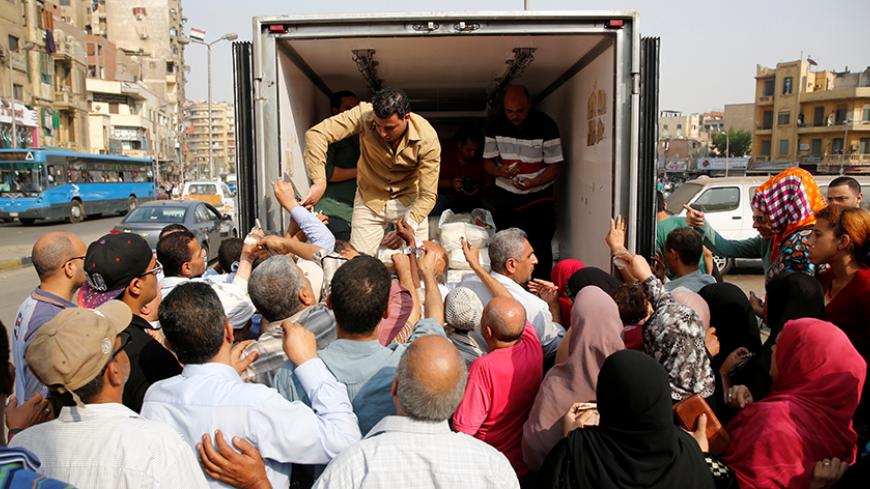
(596, 332)
(783, 211)
(591, 276)
(841, 238)
(635, 443)
(560, 275)
(817, 379)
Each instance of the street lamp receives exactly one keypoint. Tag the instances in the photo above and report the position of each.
(232, 36)
(846, 122)
(727, 150)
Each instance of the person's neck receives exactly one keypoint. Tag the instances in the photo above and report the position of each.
(343, 334)
(133, 303)
(224, 355)
(681, 270)
(494, 344)
(59, 287)
(844, 267)
(108, 395)
(662, 215)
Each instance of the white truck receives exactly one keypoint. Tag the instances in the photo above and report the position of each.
(590, 71)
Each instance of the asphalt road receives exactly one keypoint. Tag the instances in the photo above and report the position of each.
(14, 234)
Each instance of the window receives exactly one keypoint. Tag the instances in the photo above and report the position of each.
(665, 127)
(840, 116)
(765, 147)
(865, 146)
(819, 116)
(816, 148)
(718, 199)
(769, 85)
(837, 146)
(787, 85)
(679, 126)
(783, 147)
(202, 214)
(767, 121)
(170, 67)
(783, 118)
(866, 114)
(13, 44)
(64, 3)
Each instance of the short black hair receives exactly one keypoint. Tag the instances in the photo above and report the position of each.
(360, 292)
(336, 98)
(848, 181)
(687, 243)
(660, 201)
(469, 132)
(229, 252)
(388, 101)
(632, 303)
(171, 228)
(173, 252)
(193, 321)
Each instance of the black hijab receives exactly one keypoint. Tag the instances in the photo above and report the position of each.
(792, 295)
(636, 444)
(732, 316)
(587, 276)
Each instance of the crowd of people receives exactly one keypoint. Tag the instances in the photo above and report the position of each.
(302, 360)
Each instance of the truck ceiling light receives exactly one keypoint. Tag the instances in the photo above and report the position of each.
(615, 23)
(367, 66)
(277, 28)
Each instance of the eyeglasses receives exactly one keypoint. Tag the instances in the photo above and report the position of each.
(154, 271)
(75, 258)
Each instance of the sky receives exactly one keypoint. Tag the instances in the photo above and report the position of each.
(709, 50)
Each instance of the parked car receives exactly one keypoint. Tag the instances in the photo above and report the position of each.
(213, 192)
(726, 204)
(208, 225)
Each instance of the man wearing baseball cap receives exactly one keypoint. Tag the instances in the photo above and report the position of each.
(95, 441)
(122, 266)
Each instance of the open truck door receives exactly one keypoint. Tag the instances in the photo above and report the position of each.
(647, 146)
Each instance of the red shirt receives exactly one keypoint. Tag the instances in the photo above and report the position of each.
(502, 386)
(850, 309)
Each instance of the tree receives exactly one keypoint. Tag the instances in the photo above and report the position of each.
(737, 142)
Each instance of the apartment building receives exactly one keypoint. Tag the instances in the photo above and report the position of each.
(817, 119)
(223, 138)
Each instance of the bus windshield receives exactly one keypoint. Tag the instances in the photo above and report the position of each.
(25, 178)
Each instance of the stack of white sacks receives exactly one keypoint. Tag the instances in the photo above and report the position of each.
(477, 227)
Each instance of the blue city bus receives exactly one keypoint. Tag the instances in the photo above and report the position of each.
(60, 184)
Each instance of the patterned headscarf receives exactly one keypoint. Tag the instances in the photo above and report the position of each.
(790, 201)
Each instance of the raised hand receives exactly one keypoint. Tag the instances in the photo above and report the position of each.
(694, 217)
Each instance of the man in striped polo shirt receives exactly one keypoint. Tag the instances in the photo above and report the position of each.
(524, 154)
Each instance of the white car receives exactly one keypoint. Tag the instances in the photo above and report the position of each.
(214, 192)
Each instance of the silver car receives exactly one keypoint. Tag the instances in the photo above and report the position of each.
(202, 219)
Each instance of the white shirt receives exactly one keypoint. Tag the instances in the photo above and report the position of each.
(109, 446)
(211, 396)
(402, 452)
(233, 296)
(537, 311)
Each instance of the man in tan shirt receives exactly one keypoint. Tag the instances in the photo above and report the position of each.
(397, 174)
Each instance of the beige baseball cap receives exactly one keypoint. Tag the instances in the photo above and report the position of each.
(72, 348)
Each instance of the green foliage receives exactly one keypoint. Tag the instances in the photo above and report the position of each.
(739, 143)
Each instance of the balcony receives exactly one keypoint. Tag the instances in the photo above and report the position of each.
(844, 93)
(765, 100)
(836, 127)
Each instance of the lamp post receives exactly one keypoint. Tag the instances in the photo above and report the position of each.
(232, 36)
(727, 150)
(845, 143)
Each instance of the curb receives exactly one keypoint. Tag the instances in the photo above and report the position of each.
(15, 263)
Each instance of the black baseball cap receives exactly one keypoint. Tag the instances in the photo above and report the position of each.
(111, 263)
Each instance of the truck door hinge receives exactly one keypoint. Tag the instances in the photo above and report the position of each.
(426, 27)
(635, 83)
(463, 26)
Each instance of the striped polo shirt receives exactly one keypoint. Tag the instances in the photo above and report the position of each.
(531, 147)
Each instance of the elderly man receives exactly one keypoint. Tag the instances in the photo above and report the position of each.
(513, 260)
(416, 447)
(397, 172)
(502, 384)
(96, 441)
(210, 396)
(280, 291)
(523, 152)
(58, 258)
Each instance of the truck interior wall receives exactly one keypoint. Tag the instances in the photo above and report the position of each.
(585, 202)
(298, 109)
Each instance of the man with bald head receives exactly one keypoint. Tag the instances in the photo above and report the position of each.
(59, 261)
(416, 446)
(502, 384)
(523, 152)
